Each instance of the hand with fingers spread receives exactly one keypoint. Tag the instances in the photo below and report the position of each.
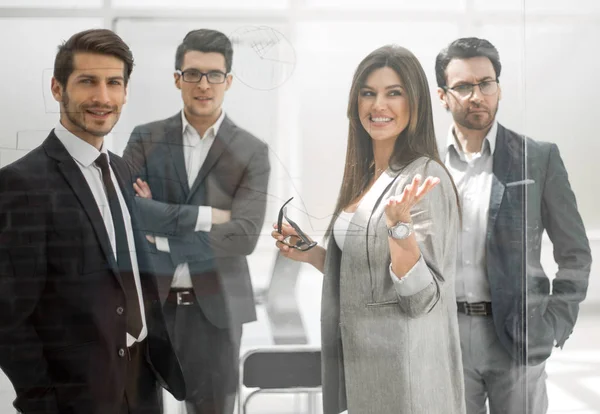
(398, 208)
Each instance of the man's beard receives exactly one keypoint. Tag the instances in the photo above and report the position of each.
(79, 122)
(463, 119)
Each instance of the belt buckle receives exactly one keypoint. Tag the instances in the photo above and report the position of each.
(477, 309)
(180, 299)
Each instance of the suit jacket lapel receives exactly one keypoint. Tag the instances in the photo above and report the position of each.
(503, 162)
(222, 141)
(174, 136)
(81, 189)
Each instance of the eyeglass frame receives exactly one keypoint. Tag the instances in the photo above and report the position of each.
(202, 75)
(304, 243)
(472, 86)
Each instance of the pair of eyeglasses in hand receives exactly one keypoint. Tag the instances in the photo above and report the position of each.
(301, 241)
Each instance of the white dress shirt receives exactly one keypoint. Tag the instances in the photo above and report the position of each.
(84, 155)
(343, 228)
(195, 150)
(473, 179)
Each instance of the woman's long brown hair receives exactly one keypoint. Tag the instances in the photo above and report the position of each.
(417, 140)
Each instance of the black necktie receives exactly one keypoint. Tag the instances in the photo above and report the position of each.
(134, 318)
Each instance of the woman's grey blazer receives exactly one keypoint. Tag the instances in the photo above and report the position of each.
(390, 346)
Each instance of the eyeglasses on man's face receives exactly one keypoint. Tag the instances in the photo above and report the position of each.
(303, 242)
(195, 76)
(488, 87)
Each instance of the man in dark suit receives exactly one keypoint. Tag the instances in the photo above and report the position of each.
(202, 186)
(81, 328)
(512, 188)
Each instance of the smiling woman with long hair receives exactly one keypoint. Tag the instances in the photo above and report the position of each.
(388, 317)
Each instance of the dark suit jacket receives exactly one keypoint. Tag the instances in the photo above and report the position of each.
(530, 194)
(234, 177)
(60, 332)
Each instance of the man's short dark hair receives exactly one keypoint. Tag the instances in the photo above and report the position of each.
(205, 40)
(101, 41)
(465, 48)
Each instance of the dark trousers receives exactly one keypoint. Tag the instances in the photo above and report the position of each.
(141, 396)
(208, 355)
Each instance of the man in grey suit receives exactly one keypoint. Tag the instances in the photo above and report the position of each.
(202, 192)
(512, 188)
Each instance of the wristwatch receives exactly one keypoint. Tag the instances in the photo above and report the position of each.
(400, 230)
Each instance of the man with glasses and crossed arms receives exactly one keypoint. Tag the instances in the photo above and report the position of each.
(202, 193)
(512, 188)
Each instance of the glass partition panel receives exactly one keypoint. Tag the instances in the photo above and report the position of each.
(563, 292)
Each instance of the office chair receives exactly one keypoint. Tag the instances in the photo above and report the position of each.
(289, 366)
(290, 369)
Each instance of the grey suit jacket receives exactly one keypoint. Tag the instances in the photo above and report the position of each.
(384, 351)
(234, 177)
(531, 193)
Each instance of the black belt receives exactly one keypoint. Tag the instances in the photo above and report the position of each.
(181, 296)
(475, 309)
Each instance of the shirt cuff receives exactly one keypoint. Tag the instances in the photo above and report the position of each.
(417, 279)
(204, 220)
(162, 244)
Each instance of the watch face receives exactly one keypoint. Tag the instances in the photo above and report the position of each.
(401, 231)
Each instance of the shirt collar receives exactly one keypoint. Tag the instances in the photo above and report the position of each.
(212, 130)
(490, 138)
(83, 152)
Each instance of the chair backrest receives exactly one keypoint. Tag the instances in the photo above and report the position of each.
(281, 305)
(282, 367)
